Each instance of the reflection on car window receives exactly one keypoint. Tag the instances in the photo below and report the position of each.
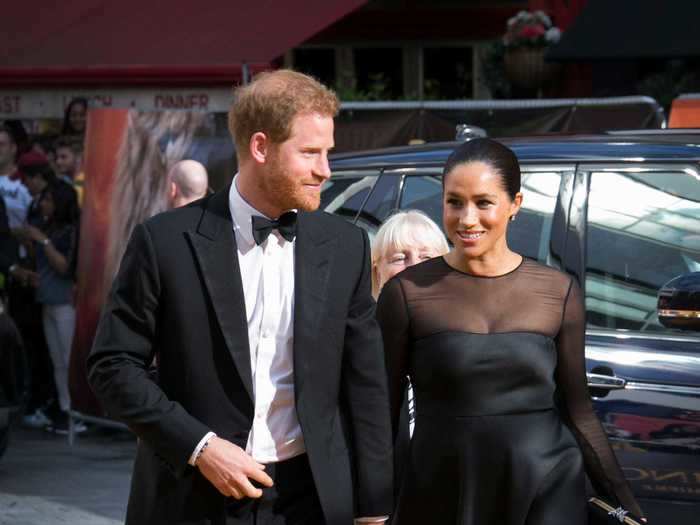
(345, 192)
(529, 234)
(380, 204)
(424, 193)
(643, 230)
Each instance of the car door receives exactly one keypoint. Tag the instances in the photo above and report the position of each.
(639, 229)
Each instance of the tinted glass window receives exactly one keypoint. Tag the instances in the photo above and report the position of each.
(424, 193)
(346, 192)
(529, 233)
(381, 203)
(643, 230)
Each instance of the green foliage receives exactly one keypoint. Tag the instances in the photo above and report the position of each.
(493, 75)
(668, 84)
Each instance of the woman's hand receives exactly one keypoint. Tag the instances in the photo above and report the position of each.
(26, 277)
(35, 234)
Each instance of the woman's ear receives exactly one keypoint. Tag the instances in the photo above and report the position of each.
(516, 204)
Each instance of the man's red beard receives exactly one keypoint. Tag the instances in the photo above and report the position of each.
(285, 192)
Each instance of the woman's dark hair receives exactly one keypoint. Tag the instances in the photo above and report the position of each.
(67, 128)
(40, 170)
(501, 159)
(65, 202)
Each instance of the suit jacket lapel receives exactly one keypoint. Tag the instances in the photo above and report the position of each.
(312, 263)
(214, 244)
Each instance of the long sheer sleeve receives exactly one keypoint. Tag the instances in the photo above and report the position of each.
(392, 314)
(601, 465)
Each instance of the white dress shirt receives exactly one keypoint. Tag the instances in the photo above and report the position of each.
(267, 273)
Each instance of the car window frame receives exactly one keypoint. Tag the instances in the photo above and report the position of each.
(579, 226)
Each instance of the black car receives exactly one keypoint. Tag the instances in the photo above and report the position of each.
(622, 213)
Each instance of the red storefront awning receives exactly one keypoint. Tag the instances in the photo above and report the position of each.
(98, 42)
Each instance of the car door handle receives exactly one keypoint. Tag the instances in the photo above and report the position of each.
(605, 382)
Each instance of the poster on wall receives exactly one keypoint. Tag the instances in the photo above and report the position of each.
(128, 159)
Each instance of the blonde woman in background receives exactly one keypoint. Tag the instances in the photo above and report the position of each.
(406, 238)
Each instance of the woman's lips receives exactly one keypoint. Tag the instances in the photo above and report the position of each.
(470, 237)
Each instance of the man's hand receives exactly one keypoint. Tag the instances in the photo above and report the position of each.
(230, 469)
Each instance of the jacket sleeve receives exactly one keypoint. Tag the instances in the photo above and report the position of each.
(123, 350)
(365, 389)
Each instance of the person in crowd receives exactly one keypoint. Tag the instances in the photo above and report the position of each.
(75, 117)
(41, 404)
(406, 238)
(12, 190)
(487, 337)
(38, 175)
(11, 348)
(19, 134)
(69, 151)
(271, 403)
(55, 244)
(44, 145)
(188, 182)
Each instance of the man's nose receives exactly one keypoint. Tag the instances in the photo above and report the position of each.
(323, 168)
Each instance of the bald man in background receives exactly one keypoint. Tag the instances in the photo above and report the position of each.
(188, 182)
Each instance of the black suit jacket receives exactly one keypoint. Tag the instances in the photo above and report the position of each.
(178, 296)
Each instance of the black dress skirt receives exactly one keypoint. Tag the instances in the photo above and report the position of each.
(504, 426)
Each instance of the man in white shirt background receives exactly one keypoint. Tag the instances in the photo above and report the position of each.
(15, 194)
(271, 403)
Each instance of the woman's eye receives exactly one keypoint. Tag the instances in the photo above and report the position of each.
(484, 203)
(397, 259)
(454, 202)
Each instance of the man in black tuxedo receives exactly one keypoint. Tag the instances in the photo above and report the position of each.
(270, 403)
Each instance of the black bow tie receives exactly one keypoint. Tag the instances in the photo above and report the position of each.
(286, 224)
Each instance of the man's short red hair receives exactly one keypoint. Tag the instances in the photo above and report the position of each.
(271, 101)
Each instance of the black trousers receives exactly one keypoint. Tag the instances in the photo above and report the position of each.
(292, 500)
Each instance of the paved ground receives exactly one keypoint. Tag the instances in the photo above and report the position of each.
(45, 481)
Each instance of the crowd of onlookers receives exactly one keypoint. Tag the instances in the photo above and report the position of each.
(40, 194)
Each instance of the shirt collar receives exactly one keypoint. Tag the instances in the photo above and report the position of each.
(242, 213)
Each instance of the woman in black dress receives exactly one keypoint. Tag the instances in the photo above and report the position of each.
(493, 344)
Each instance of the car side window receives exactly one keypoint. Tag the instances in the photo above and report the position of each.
(643, 230)
(346, 192)
(424, 193)
(528, 235)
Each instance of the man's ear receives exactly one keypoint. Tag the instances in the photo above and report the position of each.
(173, 191)
(259, 147)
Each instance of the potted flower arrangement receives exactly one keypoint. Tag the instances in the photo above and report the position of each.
(527, 37)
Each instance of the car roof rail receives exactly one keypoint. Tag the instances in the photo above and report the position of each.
(654, 131)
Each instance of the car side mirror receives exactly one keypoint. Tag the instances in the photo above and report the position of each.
(679, 302)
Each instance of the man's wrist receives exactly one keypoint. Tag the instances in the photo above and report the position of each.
(199, 449)
(371, 520)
